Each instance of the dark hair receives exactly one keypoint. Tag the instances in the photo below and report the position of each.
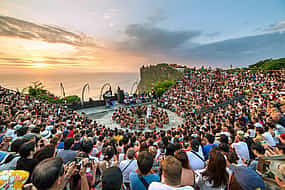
(26, 148)
(101, 138)
(68, 142)
(145, 162)
(22, 131)
(183, 158)
(210, 138)
(109, 153)
(77, 137)
(143, 147)
(45, 152)
(224, 147)
(36, 130)
(232, 157)
(216, 170)
(112, 179)
(259, 130)
(195, 145)
(224, 139)
(16, 144)
(281, 146)
(47, 172)
(87, 147)
(170, 149)
(258, 147)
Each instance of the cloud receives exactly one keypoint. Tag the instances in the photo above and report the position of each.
(179, 46)
(46, 60)
(241, 51)
(110, 14)
(273, 27)
(279, 26)
(143, 38)
(158, 16)
(212, 34)
(13, 27)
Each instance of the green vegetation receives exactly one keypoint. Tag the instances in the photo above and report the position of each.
(269, 64)
(38, 90)
(161, 87)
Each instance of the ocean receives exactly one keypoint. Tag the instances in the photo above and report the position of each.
(72, 82)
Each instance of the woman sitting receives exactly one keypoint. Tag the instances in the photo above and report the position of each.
(215, 176)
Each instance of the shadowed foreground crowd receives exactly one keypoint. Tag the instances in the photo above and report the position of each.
(47, 146)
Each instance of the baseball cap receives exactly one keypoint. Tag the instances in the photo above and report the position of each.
(46, 134)
(282, 136)
(112, 179)
(247, 178)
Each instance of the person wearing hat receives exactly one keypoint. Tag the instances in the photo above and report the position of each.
(240, 146)
(46, 134)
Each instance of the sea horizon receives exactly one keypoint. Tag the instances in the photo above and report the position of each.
(73, 82)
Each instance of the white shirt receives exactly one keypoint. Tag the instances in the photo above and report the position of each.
(257, 125)
(127, 169)
(161, 186)
(195, 162)
(269, 139)
(251, 133)
(241, 149)
(11, 133)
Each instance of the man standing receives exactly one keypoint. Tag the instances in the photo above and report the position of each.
(128, 166)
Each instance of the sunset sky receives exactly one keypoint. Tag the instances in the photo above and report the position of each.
(122, 35)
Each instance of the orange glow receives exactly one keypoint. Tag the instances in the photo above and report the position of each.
(44, 56)
(39, 65)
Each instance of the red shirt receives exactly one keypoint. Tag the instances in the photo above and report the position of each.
(70, 134)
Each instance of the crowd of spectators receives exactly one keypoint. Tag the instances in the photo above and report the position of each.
(140, 117)
(47, 146)
(137, 99)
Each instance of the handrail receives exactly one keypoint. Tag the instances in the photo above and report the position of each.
(235, 99)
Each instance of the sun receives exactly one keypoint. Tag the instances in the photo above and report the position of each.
(39, 63)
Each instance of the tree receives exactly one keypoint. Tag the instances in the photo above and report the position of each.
(36, 89)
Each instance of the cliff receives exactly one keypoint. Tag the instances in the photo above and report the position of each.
(157, 73)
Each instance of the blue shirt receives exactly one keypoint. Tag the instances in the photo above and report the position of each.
(207, 148)
(3, 155)
(60, 145)
(138, 185)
